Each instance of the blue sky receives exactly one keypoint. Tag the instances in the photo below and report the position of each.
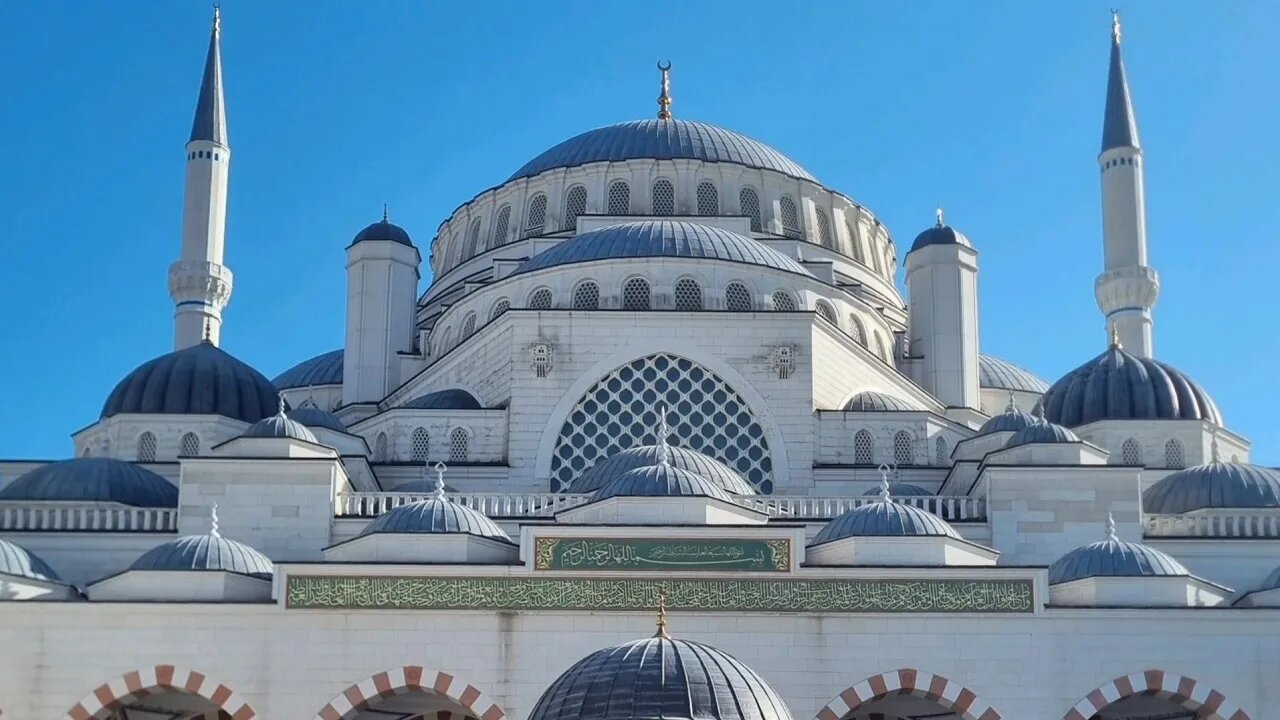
(991, 109)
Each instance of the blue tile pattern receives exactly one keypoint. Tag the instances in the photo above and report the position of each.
(18, 561)
(323, 369)
(1119, 386)
(91, 479)
(205, 552)
(451, 399)
(871, 401)
(1215, 485)
(199, 380)
(884, 519)
(435, 516)
(1004, 375)
(1114, 558)
(613, 467)
(660, 481)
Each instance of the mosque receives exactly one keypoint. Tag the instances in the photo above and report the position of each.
(660, 371)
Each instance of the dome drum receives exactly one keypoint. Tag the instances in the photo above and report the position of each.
(433, 530)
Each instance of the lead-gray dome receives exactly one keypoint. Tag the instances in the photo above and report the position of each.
(323, 369)
(998, 374)
(661, 480)
(659, 678)
(1114, 558)
(451, 399)
(940, 235)
(18, 561)
(1011, 420)
(89, 479)
(1042, 432)
(901, 489)
(661, 238)
(871, 401)
(279, 425)
(200, 380)
(1213, 485)
(662, 140)
(205, 552)
(1119, 386)
(884, 518)
(314, 417)
(612, 467)
(435, 516)
(383, 230)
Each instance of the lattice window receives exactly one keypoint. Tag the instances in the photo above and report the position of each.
(381, 452)
(636, 294)
(749, 205)
(473, 239)
(940, 452)
(688, 294)
(620, 411)
(824, 229)
(459, 446)
(855, 242)
(1130, 452)
(784, 301)
(902, 452)
(708, 199)
(880, 347)
(790, 217)
(190, 445)
(619, 198)
(540, 299)
(737, 298)
(856, 331)
(499, 307)
(468, 325)
(664, 198)
(536, 219)
(586, 296)
(1174, 458)
(146, 447)
(863, 447)
(826, 312)
(500, 227)
(575, 204)
(419, 445)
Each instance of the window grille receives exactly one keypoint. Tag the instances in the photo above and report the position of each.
(902, 453)
(500, 227)
(468, 326)
(537, 218)
(619, 198)
(459, 446)
(499, 307)
(856, 331)
(586, 296)
(783, 301)
(824, 229)
(863, 446)
(749, 205)
(1174, 458)
(190, 444)
(540, 299)
(941, 456)
(473, 239)
(688, 294)
(575, 204)
(419, 445)
(146, 447)
(664, 198)
(826, 312)
(708, 199)
(737, 298)
(790, 218)
(1130, 452)
(635, 294)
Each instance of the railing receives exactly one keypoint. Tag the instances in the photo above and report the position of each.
(28, 517)
(953, 508)
(1243, 523)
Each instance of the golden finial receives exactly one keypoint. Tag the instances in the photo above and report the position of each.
(662, 614)
(208, 331)
(664, 100)
(1115, 25)
(217, 18)
(1115, 337)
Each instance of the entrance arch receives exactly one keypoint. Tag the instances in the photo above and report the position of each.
(411, 679)
(1182, 691)
(155, 682)
(947, 695)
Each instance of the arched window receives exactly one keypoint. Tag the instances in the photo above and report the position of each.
(635, 294)
(875, 259)
(499, 307)
(146, 447)
(824, 229)
(862, 448)
(380, 451)
(940, 453)
(784, 301)
(190, 445)
(856, 331)
(664, 197)
(575, 204)
(536, 219)
(459, 446)
(619, 198)
(826, 312)
(473, 239)
(419, 445)
(586, 296)
(881, 352)
(749, 205)
(855, 243)
(790, 218)
(500, 227)
(708, 199)
(540, 299)
(688, 294)
(468, 325)
(1130, 452)
(902, 452)
(737, 298)
(1174, 458)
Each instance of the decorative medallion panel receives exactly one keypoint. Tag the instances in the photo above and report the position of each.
(729, 554)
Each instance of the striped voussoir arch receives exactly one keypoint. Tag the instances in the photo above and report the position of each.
(1207, 703)
(108, 698)
(411, 678)
(949, 695)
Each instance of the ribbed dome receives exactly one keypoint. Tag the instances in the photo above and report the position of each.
(659, 678)
(660, 481)
(316, 418)
(884, 519)
(940, 235)
(205, 552)
(662, 140)
(612, 467)
(279, 426)
(1119, 386)
(451, 399)
(1114, 558)
(18, 561)
(383, 230)
(1011, 420)
(1215, 485)
(323, 369)
(998, 374)
(661, 238)
(435, 516)
(93, 480)
(871, 401)
(199, 380)
(1042, 432)
(1271, 582)
(901, 489)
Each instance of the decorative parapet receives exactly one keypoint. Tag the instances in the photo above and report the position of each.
(21, 516)
(1241, 523)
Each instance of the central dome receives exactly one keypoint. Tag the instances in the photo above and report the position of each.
(1117, 385)
(662, 140)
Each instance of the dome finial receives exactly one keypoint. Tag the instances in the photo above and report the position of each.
(208, 331)
(664, 432)
(1115, 337)
(938, 212)
(884, 484)
(664, 99)
(440, 468)
(1213, 446)
(1115, 26)
(1012, 407)
(213, 521)
(280, 407)
(385, 217)
(1111, 528)
(217, 18)
(662, 614)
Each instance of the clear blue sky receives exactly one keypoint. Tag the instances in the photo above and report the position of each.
(991, 109)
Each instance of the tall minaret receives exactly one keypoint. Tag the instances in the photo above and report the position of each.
(1128, 288)
(199, 283)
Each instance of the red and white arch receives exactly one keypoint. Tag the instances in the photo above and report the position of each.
(108, 698)
(908, 681)
(411, 678)
(1184, 691)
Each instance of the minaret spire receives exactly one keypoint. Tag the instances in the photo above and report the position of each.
(664, 98)
(1119, 126)
(211, 112)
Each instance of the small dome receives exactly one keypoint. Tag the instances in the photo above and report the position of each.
(1114, 558)
(612, 467)
(901, 489)
(199, 380)
(1011, 420)
(279, 426)
(660, 481)
(659, 678)
(383, 230)
(1215, 485)
(323, 369)
(884, 519)
(1041, 432)
(435, 516)
(940, 235)
(871, 401)
(18, 561)
(997, 374)
(451, 399)
(205, 552)
(90, 479)
(314, 417)
(1118, 386)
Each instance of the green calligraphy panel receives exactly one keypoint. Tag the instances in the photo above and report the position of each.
(551, 553)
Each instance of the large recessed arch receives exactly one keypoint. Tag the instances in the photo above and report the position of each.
(1185, 692)
(948, 695)
(157, 680)
(407, 679)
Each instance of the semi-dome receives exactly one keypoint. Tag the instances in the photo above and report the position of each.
(451, 399)
(89, 479)
(997, 374)
(940, 234)
(659, 678)
(1041, 432)
(661, 238)
(323, 369)
(279, 425)
(901, 489)
(1213, 485)
(1114, 558)
(17, 561)
(884, 519)
(662, 140)
(314, 417)
(871, 401)
(200, 380)
(660, 480)
(383, 230)
(1119, 386)
(435, 516)
(614, 466)
(205, 552)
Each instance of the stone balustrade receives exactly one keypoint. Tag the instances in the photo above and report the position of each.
(76, 517)
(1237, 523)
